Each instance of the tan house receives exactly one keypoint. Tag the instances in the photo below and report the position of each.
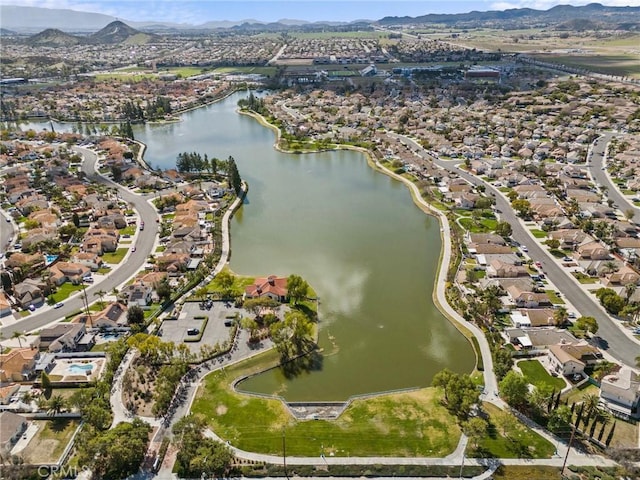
(594, 251)
(499, 269)
(625, 276)
(18, 364)
(62, 272)
(571, 358)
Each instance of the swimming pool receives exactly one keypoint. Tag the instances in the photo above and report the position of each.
(80, 368)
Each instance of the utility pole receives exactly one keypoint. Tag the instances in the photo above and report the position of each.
(284, 452)
(573, 434)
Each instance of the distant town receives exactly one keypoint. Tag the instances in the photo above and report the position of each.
(125, 334)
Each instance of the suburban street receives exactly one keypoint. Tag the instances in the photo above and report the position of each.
(612, 339)
(7, 230)
(601, 177)
(120, 273)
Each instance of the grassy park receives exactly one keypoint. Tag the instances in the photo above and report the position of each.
(403, 424)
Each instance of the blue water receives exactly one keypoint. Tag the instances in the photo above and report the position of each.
(79, 368)
(49, 259)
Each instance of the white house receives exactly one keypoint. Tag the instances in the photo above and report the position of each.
(620, 392)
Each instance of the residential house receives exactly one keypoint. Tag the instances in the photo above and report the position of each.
(527, 299)
(12, 426)
(572, 358)
(620, 393)
(5, 306)
(61, 337)
(17, 365)
(271, 286)
(501, 269)
(624, 276)
(570, 239)
(91, 260)
(593, 251)
(29, 292)
(62, 272)
(138, 294)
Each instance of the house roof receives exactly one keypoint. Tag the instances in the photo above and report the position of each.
(11, 423)
(270, 284)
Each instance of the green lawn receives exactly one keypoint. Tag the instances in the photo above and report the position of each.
(517, 441)
(65, 290)
(240, 282)
(129, 230)
(582, 278)
(484, 225)
(553, 296)
(115, 257)
(535, 374)
(538, 233)
(406, 424)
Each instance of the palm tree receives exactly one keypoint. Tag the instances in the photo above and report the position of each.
(18, 336)
(591, 408)
(611, 266)
(27, 397)
(560, 316)
(630, 289)
(56, 404)
(100, 294)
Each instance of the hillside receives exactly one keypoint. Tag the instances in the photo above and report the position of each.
(52, 37)
(120, 32)
(606, 17)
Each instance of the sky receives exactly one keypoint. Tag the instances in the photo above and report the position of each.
(200, 11)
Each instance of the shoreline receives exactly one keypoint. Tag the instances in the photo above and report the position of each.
(418, 201)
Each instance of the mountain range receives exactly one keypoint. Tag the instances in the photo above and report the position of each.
(35, 19)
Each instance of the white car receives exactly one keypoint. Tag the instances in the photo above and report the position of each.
(58, 305)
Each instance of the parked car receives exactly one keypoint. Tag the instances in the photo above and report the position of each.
(193, 331)
(524, 248)
(58, 305)
(32, 308)
(567, 259)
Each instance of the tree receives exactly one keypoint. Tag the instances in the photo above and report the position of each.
(197, 455)
(115, 453)
(514, 389)
(502, 362)
(100, 294)
(116, 171)
(135, 315)
(476, 429)
(57, 403)
(293, 336)
(297, 288)
(45, 382)
(257, 305)
(460, 392)
(629, 213)
(18, 336)
(589, 324)
(163, 289)
(629, 290)
(251, 326)
(560, 316)
(522, 207)
(560, 419)
(503, 229)
(235, 182)
(225, 279)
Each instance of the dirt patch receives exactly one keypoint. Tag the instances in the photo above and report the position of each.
(50, 441)
(221, 409)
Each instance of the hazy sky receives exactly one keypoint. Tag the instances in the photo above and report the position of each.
(200, 11)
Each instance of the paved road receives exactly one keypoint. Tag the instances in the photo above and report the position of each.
(601, 177)
(613, 340)
(126, 269)
(7, 230)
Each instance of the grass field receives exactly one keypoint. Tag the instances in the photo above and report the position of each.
(50, 441)
(516, 441)
(538, 233)
(527, 472)
(237, 289)
(535, 374)
(553, 296)
(626, 65)
(115, 257)
(406, 424)
(65, 290)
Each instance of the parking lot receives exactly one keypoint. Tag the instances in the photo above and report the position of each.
(220, 318)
